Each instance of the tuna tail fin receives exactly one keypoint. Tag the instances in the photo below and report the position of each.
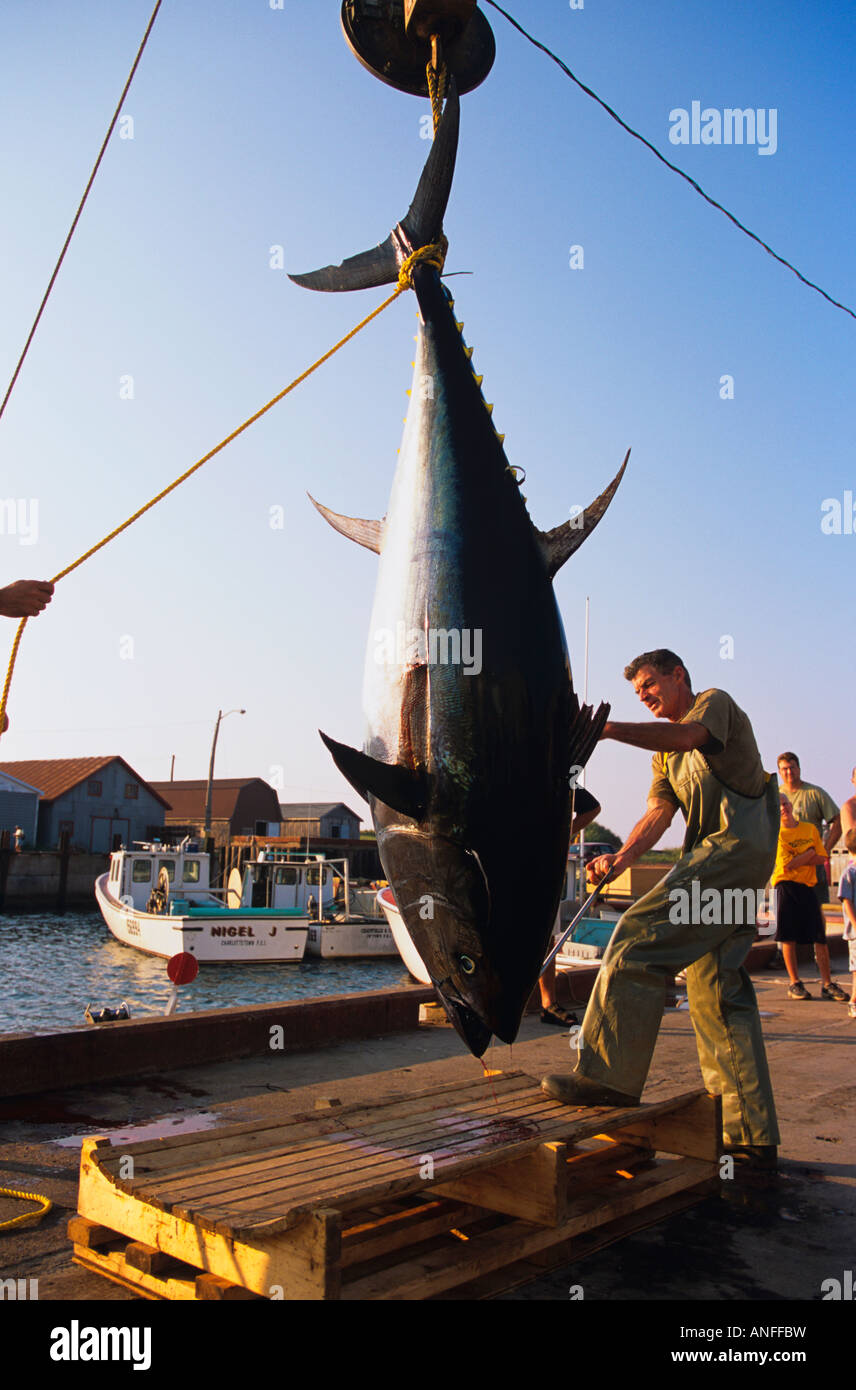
(395, 785)
(367, 533)
(421, 226)
(558, 545)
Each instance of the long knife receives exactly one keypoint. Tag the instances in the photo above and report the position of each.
(589, 902)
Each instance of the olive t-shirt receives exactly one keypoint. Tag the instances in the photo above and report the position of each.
(731, 752)
(811, 803)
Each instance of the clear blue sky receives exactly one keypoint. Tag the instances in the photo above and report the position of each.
(255, 128)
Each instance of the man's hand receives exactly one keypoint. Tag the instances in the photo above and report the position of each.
(598, 869)
(26, 598)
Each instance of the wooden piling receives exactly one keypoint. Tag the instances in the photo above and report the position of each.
(5, 856)
(64, 853)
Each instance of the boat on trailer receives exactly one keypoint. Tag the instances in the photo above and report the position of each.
(158, 899)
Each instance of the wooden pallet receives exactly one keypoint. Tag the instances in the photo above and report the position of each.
(404, 1199)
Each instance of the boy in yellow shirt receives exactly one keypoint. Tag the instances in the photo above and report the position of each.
(798, 915)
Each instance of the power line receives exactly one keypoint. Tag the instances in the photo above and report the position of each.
(662, 158)
(80, 207)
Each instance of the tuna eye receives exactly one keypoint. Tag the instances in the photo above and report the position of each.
(468, 965)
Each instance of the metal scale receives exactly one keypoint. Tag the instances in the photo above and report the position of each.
(396, 39)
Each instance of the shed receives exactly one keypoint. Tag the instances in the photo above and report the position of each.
(320, 820)
(19, 806)
(239, 806)
(95, 800)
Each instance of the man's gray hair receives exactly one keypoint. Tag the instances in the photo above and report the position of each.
(663, 662)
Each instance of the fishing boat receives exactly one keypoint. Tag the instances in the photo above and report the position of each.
(587, 944)
(343, 922)
(401, 936)
(158, 899)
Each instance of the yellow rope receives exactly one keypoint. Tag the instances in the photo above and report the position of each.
(29, 1217)
(436, 90)
(433, 255)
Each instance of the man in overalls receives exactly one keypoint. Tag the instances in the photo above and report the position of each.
(706, 764)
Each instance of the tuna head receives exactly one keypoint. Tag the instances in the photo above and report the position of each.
(444, 898)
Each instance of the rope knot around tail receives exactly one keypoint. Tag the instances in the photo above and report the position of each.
(435, 255)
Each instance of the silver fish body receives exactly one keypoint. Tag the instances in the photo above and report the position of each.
(473, 727)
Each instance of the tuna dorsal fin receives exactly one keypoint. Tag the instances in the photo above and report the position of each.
(558, 545)
(395, 785)
(367, 533)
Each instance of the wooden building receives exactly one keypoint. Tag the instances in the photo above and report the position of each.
(19, 806)
(239, 806)
(320, 820)
(96, 800)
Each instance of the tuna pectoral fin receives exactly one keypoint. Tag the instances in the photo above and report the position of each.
(396, 786)
(558, 545)
(420, 227)
(367, 533)
(586, 729)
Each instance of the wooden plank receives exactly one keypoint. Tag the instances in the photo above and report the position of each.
(317, 1149)
(569, 1252)
(211, 1289)
(320, 1153)
(695, 1131)
(88, 1234)
(439, 1270)
(585, 1164)
(147, 1258)
(533, 1188)
(111, 1265)
(381, 1180)
(389, 1234)
(380, 1177)
(288, 1180)
(267, 1134)
(305, 1262)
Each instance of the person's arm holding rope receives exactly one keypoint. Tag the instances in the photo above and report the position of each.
(26, 598)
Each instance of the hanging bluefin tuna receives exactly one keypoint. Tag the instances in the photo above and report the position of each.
(474, 731)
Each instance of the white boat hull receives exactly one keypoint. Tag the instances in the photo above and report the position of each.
(224, 937)
(408, 952)
(343, 940)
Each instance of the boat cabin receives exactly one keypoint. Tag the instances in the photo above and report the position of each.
(288, 879)
(134, 872)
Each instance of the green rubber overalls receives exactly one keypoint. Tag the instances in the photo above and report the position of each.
(730, 844)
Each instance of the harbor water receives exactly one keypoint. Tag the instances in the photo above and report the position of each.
(53, 966)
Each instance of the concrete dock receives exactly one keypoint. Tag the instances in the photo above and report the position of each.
(782, 1243)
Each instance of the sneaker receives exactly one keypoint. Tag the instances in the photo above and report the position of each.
(851, 1010)
(834, 991)
(798, 991)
